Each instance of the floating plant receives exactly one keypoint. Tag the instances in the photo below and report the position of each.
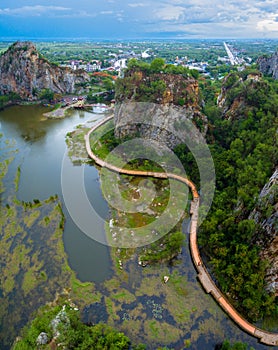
(126, 317)
(156, 309)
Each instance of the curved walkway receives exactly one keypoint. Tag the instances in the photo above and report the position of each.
(203, 275)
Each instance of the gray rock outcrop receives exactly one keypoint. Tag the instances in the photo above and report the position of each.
(265, 215)
(167, 124)
(42, 339)
(156, 106)
(269, 65)
(239, 94)
(23, 71)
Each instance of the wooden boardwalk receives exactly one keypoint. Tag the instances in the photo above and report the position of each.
(203, 275)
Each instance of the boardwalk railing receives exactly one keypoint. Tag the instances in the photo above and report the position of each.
(203, 274)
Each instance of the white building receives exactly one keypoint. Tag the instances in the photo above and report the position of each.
(120, 64)
(145, 54)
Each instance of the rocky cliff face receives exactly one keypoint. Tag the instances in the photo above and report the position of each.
(167, 124)
(243, 94)
(25, 72)
(240, 93)
(269, 65)
(265, 215)
(158, 106)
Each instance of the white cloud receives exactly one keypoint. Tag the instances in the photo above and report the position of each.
(169, 13)
(36, 10)
(47, 11)
(120, 16)
(269, 24)
(239, 18)
(106, 12)
(206, 30)
(138, 4)
(203, 18)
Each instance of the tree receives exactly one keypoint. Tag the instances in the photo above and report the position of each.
(3, 101)
(47, 95)
(157, 65)
(108, 84)
(236, 346)
(244, 155)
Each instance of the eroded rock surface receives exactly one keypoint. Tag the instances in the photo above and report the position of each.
(269, 65)
(265, 215)
(25, 72)
(158, 106)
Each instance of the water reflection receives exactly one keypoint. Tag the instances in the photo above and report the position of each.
(137, 297)
(41, 145)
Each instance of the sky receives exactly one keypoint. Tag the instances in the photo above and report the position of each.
(138, 19)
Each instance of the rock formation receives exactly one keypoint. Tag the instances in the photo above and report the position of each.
(265, 215)
(23, 71)
(239, 94)
(167, 124)
(269, 65)
(157, 106)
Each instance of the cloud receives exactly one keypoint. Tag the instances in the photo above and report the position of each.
(205, 30)
(47, 11)
(36, 10)
(207, 18)
(106, 12)
(138, 4)
(169, 13)
(269, 24)
(120, 16)
(203, 18)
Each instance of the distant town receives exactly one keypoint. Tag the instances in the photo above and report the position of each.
(118, 61)
(210, 57)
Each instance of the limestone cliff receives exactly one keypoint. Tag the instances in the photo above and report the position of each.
(156, 106)
(265, 215)
(25, 72)
(269, 65)
(241, 93)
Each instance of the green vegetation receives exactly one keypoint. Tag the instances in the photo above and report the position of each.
(3, 101)
(236, 346)
(47, 95)
(101, 82)
(25, 281)
(166, 246)
(164, 249)
(9, 99)
(70, 331)
(146, 82)
(197, 50)
(158, 65)
(244, 159)
(127, 312)
(17, 178)
(76, 146)
(243, 144)
(241, 155)
(34, 264)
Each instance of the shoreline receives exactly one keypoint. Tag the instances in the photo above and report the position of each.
(203, 275)
(57, 113)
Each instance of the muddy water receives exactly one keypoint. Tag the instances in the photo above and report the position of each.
(135, 300)
(42, 147)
